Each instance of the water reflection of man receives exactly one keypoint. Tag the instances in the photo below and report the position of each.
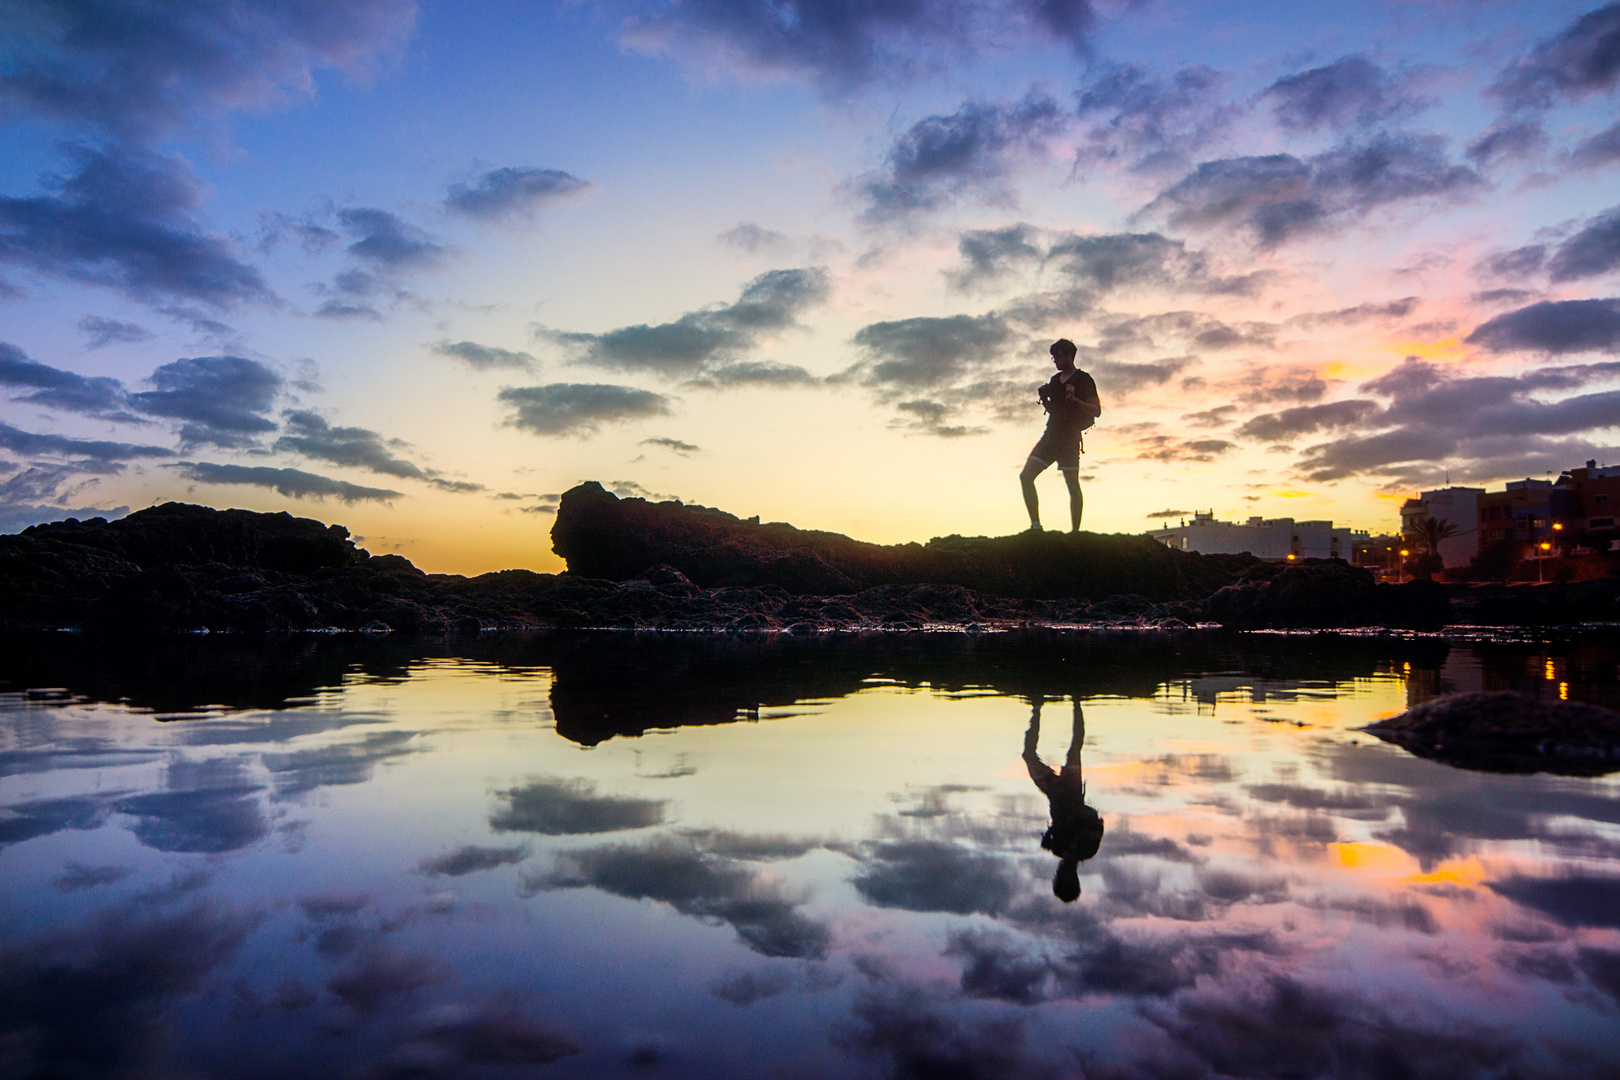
(1076, 830)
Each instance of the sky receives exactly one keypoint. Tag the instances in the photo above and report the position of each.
(418, 268)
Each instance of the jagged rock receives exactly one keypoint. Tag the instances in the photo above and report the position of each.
(1509, 732)
(601, 535)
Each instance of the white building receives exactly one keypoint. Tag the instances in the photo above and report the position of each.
(1264, 538)
(1460, 507)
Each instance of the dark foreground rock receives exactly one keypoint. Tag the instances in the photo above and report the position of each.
(665, 566)
(1509, 732)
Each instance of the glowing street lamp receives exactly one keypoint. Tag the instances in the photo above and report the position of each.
(1404, 554)
(1541, 560)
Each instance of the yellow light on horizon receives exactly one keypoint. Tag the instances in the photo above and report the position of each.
(1428, 350)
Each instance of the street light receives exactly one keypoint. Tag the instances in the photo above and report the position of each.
(1402, 576)
(1541, 561)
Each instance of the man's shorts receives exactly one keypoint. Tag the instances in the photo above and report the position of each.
(1059, 449)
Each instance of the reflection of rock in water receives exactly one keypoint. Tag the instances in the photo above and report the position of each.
(1509, 732)
(1076, 830)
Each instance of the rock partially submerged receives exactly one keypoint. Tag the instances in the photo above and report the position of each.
(1509, 732)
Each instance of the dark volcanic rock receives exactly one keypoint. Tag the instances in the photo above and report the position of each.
(1537, 605)
(1509, 732)
(603, 536)
(1324, 594)
(635, 565)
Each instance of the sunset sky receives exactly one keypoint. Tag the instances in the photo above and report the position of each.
(420, 267)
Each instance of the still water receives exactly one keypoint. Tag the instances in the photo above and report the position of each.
(604, 855)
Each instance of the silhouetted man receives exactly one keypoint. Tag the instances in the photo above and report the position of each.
(1076, 830)
(1071, 404)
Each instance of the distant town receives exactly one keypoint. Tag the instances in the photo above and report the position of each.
(1531, 530)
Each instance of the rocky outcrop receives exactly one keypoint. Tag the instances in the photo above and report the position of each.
(665, 566)
(1509, 732)
(602, 536)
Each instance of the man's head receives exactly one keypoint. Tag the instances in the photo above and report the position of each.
(1063, 352)
(1066, 882)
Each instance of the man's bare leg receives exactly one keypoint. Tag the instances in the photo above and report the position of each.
(1077, 738)
(1032, 468)
(1077, 502)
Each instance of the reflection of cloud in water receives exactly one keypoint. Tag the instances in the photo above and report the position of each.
(41, 817)
(472, 858)
(743, 988)
(1282, 1028)
(77, 877)
(557, 807)
(696, 883)
(1575, 901)
(495, 1032)
(935, 875)
(381, 972)
(918, 1036)
(210, 806)
(87, 754)
(301, 771)
(278, 727)
(91, 1001)
(1445, 811)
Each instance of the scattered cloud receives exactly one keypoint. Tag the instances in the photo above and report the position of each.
(1481, 427)
(701, 342)
(1279, 197)
(220, 400)
(674, 446)
(1553, 327)
(1170, 514)
(68, 391)
(484, 357)
(1581, 60)
(1352, 92)
(1509, 140)
(1596, 151)
(840, 47)
(86, 451)
(102, 332)
(136, 70)
(989, 255)
(926, 352)
(972, 151)
(308, 433)
(752, 239)
(1306, 419)
(1594, 250)
(293, 483)
(1147, 123)
(579, 408)
(128, 220)
(388, 241)
(503, 195)
(310, 237)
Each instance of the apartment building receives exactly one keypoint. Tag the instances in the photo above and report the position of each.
(1594, 496)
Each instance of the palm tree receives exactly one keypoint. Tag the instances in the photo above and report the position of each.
(1430, 531)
